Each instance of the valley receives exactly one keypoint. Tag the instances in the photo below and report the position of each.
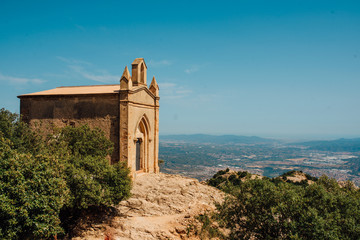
(202, 159)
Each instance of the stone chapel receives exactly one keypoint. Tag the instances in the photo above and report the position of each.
(128, 113)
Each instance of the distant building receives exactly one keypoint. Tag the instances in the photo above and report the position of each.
(128, 113)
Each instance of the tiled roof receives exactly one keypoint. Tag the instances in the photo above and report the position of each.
(75, 90)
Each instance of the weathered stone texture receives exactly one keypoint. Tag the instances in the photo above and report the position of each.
(126, 114)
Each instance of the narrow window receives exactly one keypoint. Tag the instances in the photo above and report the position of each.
(138, 158)
(142, 74)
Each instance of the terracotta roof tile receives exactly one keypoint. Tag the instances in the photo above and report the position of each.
(75, 90)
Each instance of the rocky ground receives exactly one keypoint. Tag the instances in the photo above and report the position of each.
(162, 206)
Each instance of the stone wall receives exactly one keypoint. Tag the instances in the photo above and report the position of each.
(127, 113)
(101, 110)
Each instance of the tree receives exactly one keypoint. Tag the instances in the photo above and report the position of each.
(267, 209)
(44, 181)
(91, 179)
(32, 192)
(20, 135)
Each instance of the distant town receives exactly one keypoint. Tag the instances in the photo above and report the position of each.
(201, 159)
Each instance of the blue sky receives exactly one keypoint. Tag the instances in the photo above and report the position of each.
(284, 69)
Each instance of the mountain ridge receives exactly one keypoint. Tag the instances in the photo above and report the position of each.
(217, 139)
(337, 145)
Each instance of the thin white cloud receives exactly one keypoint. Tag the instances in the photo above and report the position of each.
(207, 98)
(73, 61)
(104, 77)
(160, 63)
(183, 91)
(192, 69)
(81, 68)
(167, 85)
(173, 91)
(20, 80)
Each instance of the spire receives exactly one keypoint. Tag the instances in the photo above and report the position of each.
(154, 83)
(138, 72)
(125, 80)
(154, 87)
(126, 74)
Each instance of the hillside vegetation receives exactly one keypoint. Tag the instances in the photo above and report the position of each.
(46, 182)
(291, 206)
(339, 145)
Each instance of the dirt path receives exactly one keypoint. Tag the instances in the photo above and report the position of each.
(162, 206)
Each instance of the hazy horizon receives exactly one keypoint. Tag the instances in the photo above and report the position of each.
(276, 137)
(280, 69)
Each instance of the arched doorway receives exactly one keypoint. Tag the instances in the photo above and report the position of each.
(142, 145)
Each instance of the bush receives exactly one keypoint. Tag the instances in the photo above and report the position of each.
(263, 209)
(84, 141)
(215, 181)
(32, 192)
(219, 173)
(242, 174)
(94, 182)
(309, 177)
(91, 179)
(20, 135)
(232, 177)
(289, 173)
(42, 179)
(208, 230)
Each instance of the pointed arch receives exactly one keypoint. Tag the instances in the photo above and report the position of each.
(141, 140)
(145, 120)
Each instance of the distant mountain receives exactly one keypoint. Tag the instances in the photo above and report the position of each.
(223, 139)
(339, 145)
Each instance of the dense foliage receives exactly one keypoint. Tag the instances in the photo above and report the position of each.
(44, 181)
(32, 193)
(277, 209)
(89, 176)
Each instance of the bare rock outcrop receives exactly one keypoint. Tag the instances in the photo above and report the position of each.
(162, 206)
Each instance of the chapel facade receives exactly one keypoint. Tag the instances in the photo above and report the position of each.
(128, 113)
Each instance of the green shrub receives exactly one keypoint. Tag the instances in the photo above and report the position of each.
(289, 173)
(42, 179)
(219, 173)
(91, 179)
(309, 177)
(20, 135)
(232, 177)
(263, 209)
(242, 174)
(94, 182)
(32, 192)
(208, 230)
(215, 181)
(84, 141)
